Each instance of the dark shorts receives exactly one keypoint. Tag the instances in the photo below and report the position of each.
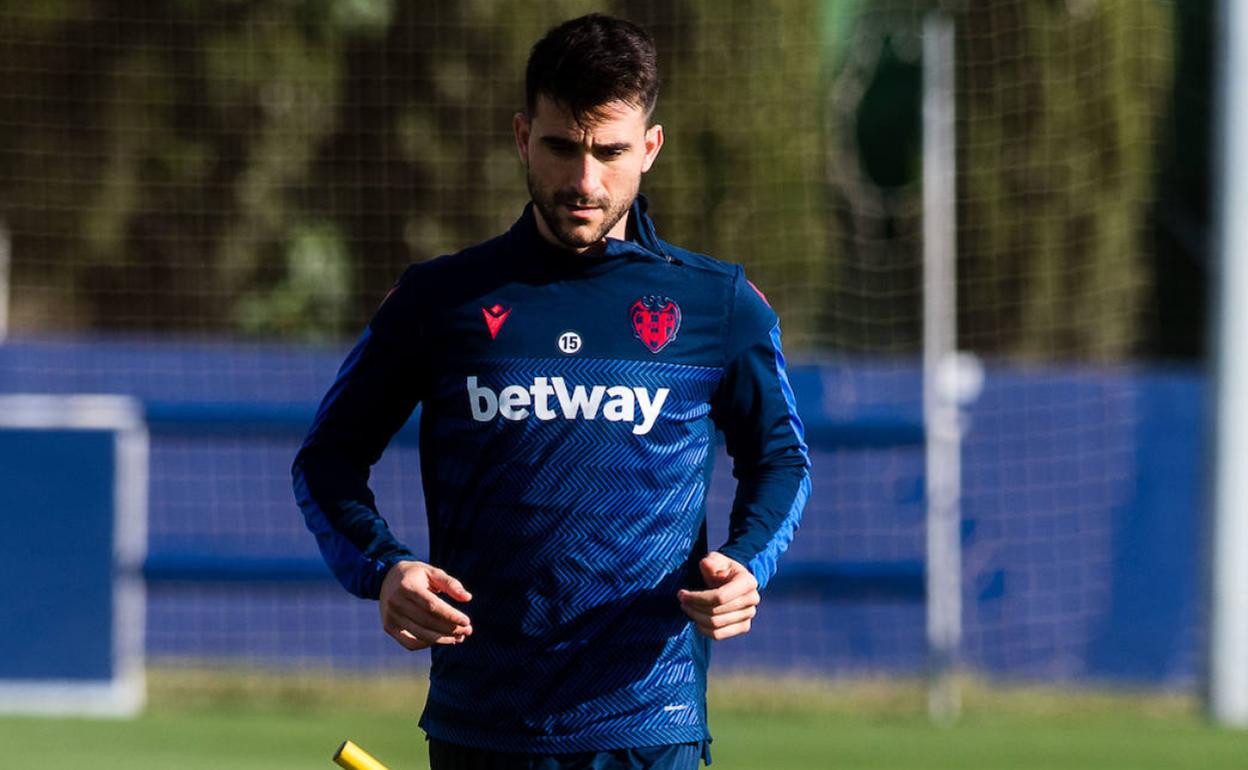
(679, 756)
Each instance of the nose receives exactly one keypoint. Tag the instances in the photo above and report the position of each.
(587, 176)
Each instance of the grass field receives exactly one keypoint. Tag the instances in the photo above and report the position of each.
(230, 721)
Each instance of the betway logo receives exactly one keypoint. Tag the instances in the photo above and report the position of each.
(616, 403)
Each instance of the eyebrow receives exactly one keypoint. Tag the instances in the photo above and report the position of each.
(560, 142)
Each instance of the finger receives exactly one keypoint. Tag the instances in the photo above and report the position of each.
(411, 619)
(707, 600)
(431, 603)
(407, 640)
(727, 632)
(715, 568)
(410, 611)
(741, 602)
(707, 620)
(443, 582)
(739, 586)
(403, 630)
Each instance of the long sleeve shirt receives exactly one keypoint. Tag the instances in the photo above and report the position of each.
(569, 410)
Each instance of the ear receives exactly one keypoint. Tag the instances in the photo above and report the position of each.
(654, 143)
(521, 126)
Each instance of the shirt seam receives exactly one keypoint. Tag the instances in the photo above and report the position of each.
(732, 314)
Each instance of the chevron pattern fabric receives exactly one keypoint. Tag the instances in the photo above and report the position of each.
(582, 635)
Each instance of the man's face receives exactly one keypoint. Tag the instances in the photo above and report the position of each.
(583, 176)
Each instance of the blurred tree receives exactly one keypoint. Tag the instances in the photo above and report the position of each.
(875, 136)
(152, 152)
(1060, 109)
(172, 164)
(194, 145)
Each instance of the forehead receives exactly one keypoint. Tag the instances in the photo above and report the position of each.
(613, 119)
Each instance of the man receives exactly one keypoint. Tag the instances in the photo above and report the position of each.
(571, 373)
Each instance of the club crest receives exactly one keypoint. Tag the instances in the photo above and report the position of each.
(655, 320)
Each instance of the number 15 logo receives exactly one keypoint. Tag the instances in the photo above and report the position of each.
(570, 342)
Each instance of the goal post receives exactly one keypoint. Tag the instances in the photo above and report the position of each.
(1227, 686)
(940, 367)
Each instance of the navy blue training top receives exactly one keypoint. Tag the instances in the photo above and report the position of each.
(569, 409)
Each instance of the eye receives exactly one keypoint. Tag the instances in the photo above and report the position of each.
(560, 147)
(611, 153)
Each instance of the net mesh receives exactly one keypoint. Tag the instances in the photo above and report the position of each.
(206, 201)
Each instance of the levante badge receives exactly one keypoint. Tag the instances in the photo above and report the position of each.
(655, 320)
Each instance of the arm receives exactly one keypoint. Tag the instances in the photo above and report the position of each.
(376, 390)
(755, 409)
(366, 405)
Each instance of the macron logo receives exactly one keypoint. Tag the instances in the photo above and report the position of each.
(616, 403)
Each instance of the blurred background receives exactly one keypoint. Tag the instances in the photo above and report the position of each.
(203, 201)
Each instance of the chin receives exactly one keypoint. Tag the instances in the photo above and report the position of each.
(580, 237)
(577, 241)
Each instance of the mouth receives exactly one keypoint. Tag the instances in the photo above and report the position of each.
(579, 212)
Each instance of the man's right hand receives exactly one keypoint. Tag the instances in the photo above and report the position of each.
(412, 612)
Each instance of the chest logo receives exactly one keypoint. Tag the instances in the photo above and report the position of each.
(494, 317)
(655, 320)
(551, 398)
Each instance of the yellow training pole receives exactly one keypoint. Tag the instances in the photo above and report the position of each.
(353, 757)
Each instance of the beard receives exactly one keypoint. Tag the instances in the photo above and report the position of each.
(574, 235)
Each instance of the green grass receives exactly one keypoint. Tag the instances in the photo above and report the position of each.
(244, 721)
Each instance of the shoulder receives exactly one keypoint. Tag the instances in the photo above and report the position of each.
(713, 268)
(433, 278)
(745, 300)
(442, 282)
(750, 318)
(714, 279)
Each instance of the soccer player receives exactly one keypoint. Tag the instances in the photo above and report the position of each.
(571, 373)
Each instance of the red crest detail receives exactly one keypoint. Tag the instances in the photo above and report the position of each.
(494, 317)
(655, 321)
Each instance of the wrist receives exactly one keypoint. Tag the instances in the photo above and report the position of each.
(385, 565)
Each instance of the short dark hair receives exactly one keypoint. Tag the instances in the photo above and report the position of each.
(590, 61)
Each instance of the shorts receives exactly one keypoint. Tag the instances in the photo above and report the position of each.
(677, 756)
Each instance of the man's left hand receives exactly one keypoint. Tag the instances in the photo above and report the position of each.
(730, 602)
